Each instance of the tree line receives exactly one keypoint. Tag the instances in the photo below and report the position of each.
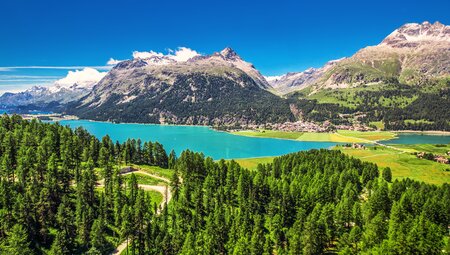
(49, 199)
(312, 202)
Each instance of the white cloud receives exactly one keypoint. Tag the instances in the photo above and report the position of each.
(273, 78)
(146, 54)
(182, 54)
(85, 78)
(113, 62)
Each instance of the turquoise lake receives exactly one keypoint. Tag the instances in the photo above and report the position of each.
(212, 143)
(218, 144)
(418, 138)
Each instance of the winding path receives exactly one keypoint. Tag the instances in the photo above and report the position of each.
(164, 190)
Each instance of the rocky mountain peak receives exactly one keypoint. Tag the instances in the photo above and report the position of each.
(229, 53)
(414, 34)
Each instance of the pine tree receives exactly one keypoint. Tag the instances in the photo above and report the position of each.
(257, 241)
(172, 160)
(17, 242)
(314, 233)
(189, 245)
(97, 236)
(387, 174)
(379, 201)
(62, 244)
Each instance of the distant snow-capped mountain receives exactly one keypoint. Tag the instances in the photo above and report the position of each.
(72, 87)
(299, 80)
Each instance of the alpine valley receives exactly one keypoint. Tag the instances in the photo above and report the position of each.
(186, 153)
(401, 83)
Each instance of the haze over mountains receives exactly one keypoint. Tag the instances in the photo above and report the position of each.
(75, 85)
(221, 88)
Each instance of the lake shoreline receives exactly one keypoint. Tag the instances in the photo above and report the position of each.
(213, 143)
(427, 132)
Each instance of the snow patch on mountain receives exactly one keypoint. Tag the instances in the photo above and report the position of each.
(273, 78)
(182, 54)
(113, 62)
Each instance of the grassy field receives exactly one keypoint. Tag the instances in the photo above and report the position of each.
(166, 173)
(252, 163)
(342, 136)
(343, 97)
(403, 164)
(440, 149)
(378, 124)
(145, 179)
(371, 135)
(270, 134)
(155, 196)
(328, 137)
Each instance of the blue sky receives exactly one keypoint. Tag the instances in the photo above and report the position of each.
(276, 36)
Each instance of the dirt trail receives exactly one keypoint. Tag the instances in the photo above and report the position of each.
(148, 174)
(164, 190)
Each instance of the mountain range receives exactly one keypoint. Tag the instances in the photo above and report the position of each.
(398, 80)
(72, 87)
(411, 54)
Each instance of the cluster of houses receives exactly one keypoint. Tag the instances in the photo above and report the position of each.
(49, 116)
(299, 126)
(354, 127)
(302, 126)
(357, 146)
(326, 126)
(438, 158)
(305, 126)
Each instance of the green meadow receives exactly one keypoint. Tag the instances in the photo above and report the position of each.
(403, 164)
(341, 136)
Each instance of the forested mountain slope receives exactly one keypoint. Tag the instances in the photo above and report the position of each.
(219, 89)
(404, 81)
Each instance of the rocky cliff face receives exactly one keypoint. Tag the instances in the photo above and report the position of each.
(413, 35)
